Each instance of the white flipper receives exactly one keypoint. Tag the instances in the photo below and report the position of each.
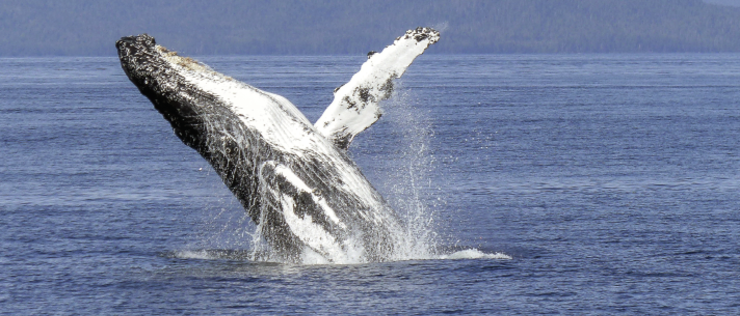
(355, 106)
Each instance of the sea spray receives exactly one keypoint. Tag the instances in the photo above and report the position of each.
(405, 180)
(411, 188)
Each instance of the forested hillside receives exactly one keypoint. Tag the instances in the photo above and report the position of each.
(85, 27)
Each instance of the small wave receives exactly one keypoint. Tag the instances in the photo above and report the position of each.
(475, 254)
(194, 254)
(212, 254)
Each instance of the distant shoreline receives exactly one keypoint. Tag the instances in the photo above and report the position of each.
(331, 27)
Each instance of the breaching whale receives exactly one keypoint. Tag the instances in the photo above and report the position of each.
(294, 179)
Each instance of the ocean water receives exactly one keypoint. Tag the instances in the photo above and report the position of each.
(546, 184)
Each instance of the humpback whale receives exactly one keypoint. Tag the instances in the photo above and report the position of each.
(295, 179)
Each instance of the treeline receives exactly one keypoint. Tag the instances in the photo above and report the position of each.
(225, 27)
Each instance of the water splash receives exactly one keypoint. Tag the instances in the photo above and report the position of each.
(311, 258)
(410, 185)
(405, 180)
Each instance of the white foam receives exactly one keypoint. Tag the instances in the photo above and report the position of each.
(310, 257)
(475, 254)
(194, 254)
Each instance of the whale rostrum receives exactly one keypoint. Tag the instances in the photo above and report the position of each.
(294, 179)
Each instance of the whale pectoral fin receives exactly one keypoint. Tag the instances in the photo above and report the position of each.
(304, 210)
(356, 103)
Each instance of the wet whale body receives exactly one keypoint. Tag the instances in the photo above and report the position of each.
(294, 179)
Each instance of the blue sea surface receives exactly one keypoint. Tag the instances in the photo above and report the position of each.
(612, 182)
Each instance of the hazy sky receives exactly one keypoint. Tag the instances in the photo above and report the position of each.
(320, 27)
(725, 2)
